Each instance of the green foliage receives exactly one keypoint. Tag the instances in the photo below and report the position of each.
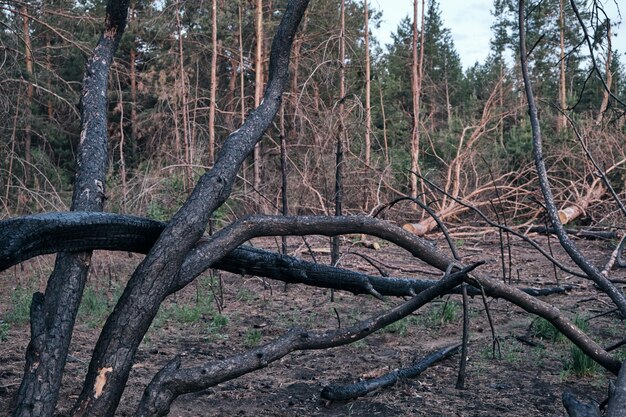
(167, 199)
(191, 313)
(444, 313)
(19, 312)
(579, 363)
(4, 330)
(543, 329)
(94, 307)
(252, 338)
(399, 327)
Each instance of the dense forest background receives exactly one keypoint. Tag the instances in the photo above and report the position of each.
(177, 89)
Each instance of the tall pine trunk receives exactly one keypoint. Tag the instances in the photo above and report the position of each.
(562, 120)
(258, 86)
(213, 91)
(416, 89)
(28, 58)
(608, 74)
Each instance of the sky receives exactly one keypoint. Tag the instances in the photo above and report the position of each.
(470, 24)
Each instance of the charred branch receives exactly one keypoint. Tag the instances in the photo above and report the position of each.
(173, 381)
(617, 397)
(82, 231)
(580, 233)
(53, 318)
(158, 274)
(576, 407)
(359, 389)
(592, 272)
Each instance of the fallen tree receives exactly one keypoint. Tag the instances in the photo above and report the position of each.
(177, 252)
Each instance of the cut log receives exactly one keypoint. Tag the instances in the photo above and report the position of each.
(421, 228)
(593, 194)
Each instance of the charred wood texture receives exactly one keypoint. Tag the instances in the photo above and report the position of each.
(84, 231)
(617, 396)
(173, 381)
(158, 274)
(53, 314)
(575, 255)
(576, 407)
(580, 233)
(22, 238)
(359, 389)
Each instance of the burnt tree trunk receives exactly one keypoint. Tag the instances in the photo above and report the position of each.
(159, 274)
(53, 314)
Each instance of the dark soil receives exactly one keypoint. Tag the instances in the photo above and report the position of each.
(519, 380)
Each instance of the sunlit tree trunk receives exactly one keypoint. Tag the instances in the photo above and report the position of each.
(562, 120)
(122, 162)
(213, 82)
(608, 74)
(28, 58)
(416, 87)
(134, 132)
(258, 85)
(368, 109)
(186, 139)
(242, 91)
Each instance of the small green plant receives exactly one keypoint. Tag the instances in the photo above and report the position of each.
(543, 329)
(186, 314)
(94, 307)
(192, 313)
(19, 312)
(157, 211)
(252, 338)
(401, 327)
(512, 352)
(4, 331)
(444, 313)
(218, 322)
(245, 294)
(579, 363)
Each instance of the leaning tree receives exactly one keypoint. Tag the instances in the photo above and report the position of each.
(179, 251)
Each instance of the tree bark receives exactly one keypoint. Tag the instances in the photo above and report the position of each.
(173, 381)
(213, 91)
(339, 151)
(593, 273)
(187, 139)
(28, 60)
(417, 74)
(617, 398)
(258, 86)
(609, 75)
(53, 314)
(368, 83)
(562, 120)
(81, 231)
(158, 275)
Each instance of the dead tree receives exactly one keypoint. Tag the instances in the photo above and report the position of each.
(177, 252)
(592, 272)
(53, 313)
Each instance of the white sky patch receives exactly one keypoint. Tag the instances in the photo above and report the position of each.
(470, 24)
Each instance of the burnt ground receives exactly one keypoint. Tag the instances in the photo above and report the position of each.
(521, 380)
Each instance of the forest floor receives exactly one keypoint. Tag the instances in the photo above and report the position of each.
(519, 380)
